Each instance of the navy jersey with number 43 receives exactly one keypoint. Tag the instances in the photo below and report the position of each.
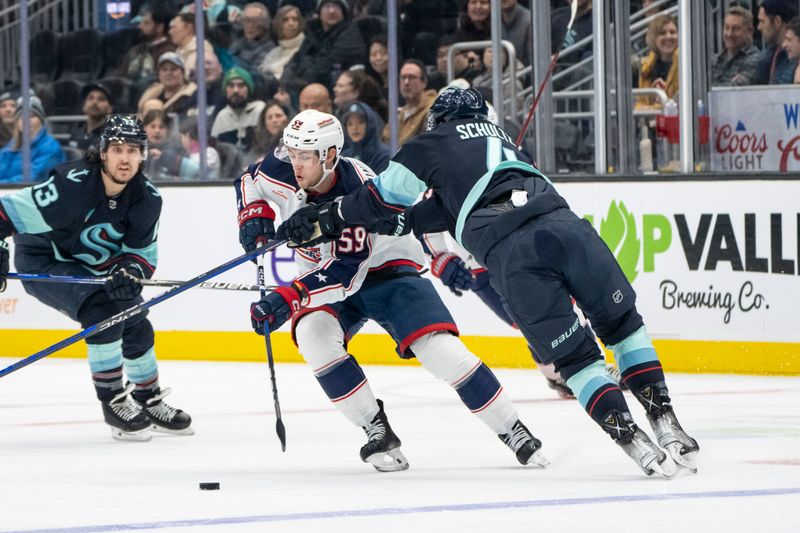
(83, 224)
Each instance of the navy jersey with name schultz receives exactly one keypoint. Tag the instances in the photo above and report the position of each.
(463, 162)
(73, 214)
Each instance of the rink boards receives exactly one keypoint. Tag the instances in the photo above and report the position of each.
(716, 265)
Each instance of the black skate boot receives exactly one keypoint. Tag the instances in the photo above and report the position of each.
(525, 446)
(165, 418)
(670, 435)
(635, 442)
(126, 419)
(382, 449)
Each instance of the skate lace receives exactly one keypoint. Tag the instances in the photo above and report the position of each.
(518, 436)
(375, 430)
(160, 409)
(125, 409)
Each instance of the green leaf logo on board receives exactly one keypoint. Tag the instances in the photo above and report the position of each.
(618, 230)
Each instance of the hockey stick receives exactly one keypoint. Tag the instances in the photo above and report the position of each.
(138, 308)
(279, 429)
(88, 280)
(553, 61)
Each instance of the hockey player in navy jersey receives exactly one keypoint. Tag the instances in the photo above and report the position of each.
(357, 277)
(538, 252)
(99, 217)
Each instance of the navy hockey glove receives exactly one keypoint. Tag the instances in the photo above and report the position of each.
(274, 308)
(256, 225)
(4, 264)
(400, 224)
(453, 272)
(123, 284)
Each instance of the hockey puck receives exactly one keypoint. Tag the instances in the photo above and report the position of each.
(209, 486)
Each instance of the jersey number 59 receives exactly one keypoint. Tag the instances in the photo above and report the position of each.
(352, 240)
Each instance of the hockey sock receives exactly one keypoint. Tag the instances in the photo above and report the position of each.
(143, 372)
(482, 393)
(105, 362)
(347, 387)
(597, 392)
(639, 366)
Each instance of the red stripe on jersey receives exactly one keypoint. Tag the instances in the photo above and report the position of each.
(260, 174)
(397, 262)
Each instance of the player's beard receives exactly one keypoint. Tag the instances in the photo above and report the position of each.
(114, 179)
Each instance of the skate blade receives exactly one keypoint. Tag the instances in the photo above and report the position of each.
(687, 461)
(167, 431)
(143, 435)
(390, 461)
(538, 459)
(666, 468)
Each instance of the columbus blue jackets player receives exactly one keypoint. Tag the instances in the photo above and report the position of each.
(100, 217)
(538, 252)
(357, 277)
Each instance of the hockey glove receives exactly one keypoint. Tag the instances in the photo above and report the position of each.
(453, 272)
(256, 225)
(400, 224)
(4, 264)
(312, 225)
(123, 284)
(274, 308)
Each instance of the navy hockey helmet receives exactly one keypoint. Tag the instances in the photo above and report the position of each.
(455, 103)
(124, 129)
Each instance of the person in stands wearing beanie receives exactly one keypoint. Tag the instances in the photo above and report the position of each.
(46, 153)
(98, 104)
(236, 122)
(332, 44)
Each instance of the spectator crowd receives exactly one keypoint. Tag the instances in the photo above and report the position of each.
(265, 61)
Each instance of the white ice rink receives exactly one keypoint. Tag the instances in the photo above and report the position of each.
(61, 471)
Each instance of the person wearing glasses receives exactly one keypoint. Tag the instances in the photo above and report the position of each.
(413, 88)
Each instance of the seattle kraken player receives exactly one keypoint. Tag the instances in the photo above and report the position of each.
(357, 277)
(511, 219)
(100, 217)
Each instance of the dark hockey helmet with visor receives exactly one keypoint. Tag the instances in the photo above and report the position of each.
(126, 129)
(455, 103)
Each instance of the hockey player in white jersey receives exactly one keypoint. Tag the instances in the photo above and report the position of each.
(361, 276)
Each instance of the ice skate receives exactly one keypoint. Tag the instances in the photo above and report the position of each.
(561, 388)
(164, 418)
(616, 375)
(555, 381)
(126, 419)
(635, 442)
(525, 446)
(382, 449)
(681, 447)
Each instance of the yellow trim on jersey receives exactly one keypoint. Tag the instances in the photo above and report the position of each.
(772, 358)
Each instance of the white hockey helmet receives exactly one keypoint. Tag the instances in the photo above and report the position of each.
(317, 131)
(314, 130)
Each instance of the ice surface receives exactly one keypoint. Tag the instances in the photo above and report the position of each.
(61, 471)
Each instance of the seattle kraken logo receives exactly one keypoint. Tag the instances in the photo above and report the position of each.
(103, 241)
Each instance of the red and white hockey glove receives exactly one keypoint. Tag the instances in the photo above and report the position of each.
(453, 272)
(256, 224)
(274, 308)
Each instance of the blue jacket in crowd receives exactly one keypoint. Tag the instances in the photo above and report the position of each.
(46, 153)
